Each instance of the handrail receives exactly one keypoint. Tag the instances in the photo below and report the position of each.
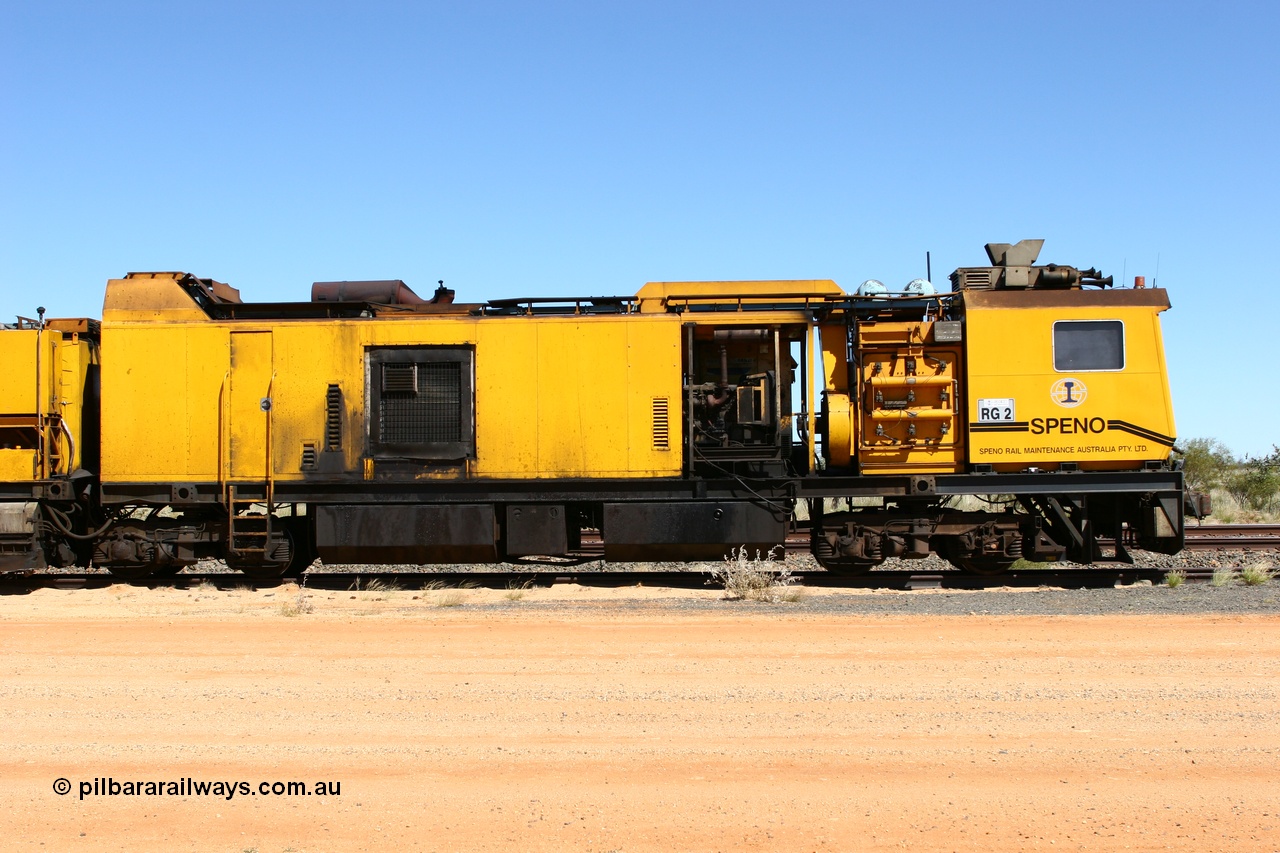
(811, 369)
(269, 466)
(224, 475)
(42, 441)
(71, 444)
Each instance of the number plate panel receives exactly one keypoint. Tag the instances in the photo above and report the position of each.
(996, 410)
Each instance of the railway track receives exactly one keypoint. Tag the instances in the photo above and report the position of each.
(1206, 537)
(1209, 537)
(1071, 578)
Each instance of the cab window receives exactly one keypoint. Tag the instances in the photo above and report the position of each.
(1080, 345)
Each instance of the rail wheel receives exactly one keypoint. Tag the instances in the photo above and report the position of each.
(982, 565)
(262, 571)
(292, 555)
(133, 572)
(846, 565)
(167, 571)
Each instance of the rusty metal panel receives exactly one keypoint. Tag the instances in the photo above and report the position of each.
(19, 547)
(536, 530)
(702, 530)
(406, 533)
(391, 292)
(1151, 297)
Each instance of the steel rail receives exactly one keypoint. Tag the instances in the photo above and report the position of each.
(1068, 578)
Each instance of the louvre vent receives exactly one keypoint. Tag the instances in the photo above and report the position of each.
(308, 455)
(333, 419)
(661, 424)
(400, 378)
(428, 411)
(977, 279)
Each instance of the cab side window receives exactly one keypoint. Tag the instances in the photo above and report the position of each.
(1081, 345)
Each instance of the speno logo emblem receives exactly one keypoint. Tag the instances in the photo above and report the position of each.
(1068, 393)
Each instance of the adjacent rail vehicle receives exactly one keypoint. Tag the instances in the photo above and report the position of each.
(372, 426)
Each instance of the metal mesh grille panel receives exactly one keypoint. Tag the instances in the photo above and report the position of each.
(430, 414)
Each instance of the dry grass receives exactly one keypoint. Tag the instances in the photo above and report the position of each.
(1175, 578)
(794, 594)
(376, 589)
(1227, 510)
(1257, 574)
(1222, 577)
(515, 591)
(450, 598)
(293, 608)
(300, 605)
(760, 578)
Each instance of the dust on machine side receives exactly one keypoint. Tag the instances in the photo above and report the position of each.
(1023, 414)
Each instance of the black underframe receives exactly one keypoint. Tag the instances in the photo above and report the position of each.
(561, 490)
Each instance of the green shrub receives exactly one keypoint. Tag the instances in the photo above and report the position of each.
(1205, 461)
(1255, 481)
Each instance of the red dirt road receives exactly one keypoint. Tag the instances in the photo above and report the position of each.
(632, 729)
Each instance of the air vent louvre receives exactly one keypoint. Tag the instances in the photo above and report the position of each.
(309, 456)
(977, 279)
(333, 419)
(400, 378)
(661, 424)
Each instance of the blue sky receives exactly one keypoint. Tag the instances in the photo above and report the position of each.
(585, 148)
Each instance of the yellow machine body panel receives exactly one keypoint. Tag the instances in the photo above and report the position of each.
(1067, 377)
(17, 464)
(907, 404)
(903, 413)
(540, 396)
(249, 405)
(42, 408)
(839, 399)
(163, 390)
